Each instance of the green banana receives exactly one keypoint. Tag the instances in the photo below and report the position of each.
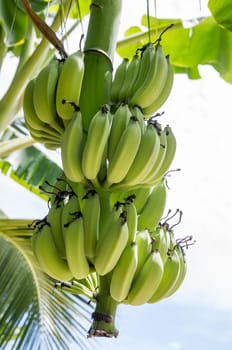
(168, 158)
(144, 248)
(69, 211)
(147, 281)
(145, 158)
(74, 237)
(119, 79)
(111, 245)
(69, 84)
(123, 273)
(131, 217)
(145, 70)
(162, 152)
(138, 113)
(129, 78)
(97, 139)
(110, 213)
(72, 147)
(39, 135)
(141, 196)
(125, 153)
(182, 272)
(31, 118)
(153, 209)
(44, 95)
(161, 241)
(120, 121)
(54, 219)
(46, 253)
(91, 218)
(153, 85)
(170, 276)
(164, 94)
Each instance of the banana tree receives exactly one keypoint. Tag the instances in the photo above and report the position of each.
(33, 309)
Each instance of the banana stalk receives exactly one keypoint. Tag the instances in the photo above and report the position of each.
(99, 53)
(103, 324)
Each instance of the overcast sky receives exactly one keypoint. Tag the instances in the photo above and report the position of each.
(199, 315)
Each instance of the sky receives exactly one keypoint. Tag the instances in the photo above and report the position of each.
(199, 315)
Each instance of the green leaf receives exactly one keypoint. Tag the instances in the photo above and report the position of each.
(222, 12)
(33, 313)
(30, 168)
(204, 43)
(14, 21)
(81, 9)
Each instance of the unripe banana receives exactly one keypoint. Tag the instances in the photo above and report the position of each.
(97, 139)
(109, 215)
(111, 245)
(129, 78)
(47, 255)
(91, 219)
(69, 84)
(120, 121)
(72, 148)
(123, 158)
(141, 196)
(51, 136)
(143, 241)
(123, 273)
(57, 198)
(54, 219)
(118, 80)
(131, 218)
(74, 237)
(169, 155)
(138, 113)
(145, 70)
(147, 281)
(170, 276)
(161, 241)
(164, 94)
(145, 158)
(31, 118)
(44, 95)
(162, 152)
(153, 86)
(153, 209)
(182, 272)
(70, 209)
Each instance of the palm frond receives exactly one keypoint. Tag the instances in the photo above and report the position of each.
(33, 313)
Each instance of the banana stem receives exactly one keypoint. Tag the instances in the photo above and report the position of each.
(103, 324)
(100, 45)
(9, 106)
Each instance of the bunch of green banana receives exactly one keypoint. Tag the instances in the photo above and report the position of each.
(51, 99)
(41, 131)
(145, 81)
(151, 268)
(45, 251)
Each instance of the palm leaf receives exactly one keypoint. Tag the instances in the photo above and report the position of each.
(33, 314)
